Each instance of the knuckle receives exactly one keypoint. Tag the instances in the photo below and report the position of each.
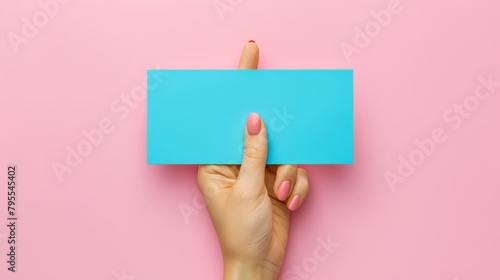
(306, 186)
(304, 180)
(289, 168)
(251, 152)
(302, 172)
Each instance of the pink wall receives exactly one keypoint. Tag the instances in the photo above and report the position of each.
(114, 216)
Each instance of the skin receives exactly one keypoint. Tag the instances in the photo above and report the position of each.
(251, 222)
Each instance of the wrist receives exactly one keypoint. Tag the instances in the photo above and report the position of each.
(247, 270)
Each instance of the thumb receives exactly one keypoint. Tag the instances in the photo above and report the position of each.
(253, 166)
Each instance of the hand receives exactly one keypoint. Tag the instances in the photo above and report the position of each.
(250, 204)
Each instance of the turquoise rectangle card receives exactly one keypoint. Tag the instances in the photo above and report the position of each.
(198, 116)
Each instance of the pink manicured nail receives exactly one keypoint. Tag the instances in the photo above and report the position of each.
(294, 203)
(283, 190)
(253, 124)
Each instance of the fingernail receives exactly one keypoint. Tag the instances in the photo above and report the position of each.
(283, 190)
(253, 124)
(294, 203)
(251, 41)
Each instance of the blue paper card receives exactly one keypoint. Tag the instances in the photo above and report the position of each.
(198, 116)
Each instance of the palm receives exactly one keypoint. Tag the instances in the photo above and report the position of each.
(261, 225)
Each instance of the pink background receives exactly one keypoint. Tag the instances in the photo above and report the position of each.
(114, 216)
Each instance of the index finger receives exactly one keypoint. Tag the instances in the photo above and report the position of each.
(249, 58)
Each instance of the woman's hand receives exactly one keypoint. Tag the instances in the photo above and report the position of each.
(250, 204)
